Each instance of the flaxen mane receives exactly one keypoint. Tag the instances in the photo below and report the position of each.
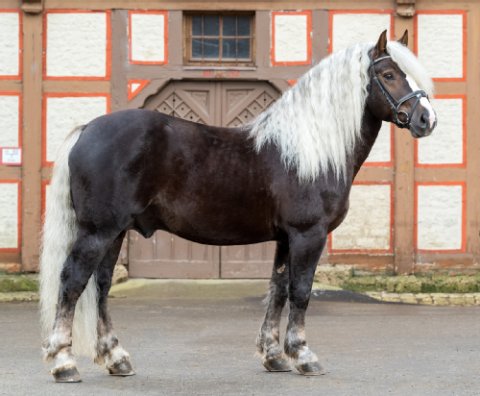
(317, 123)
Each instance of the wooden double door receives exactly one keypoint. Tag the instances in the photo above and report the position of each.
(168, 256)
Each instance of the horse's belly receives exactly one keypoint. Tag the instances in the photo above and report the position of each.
(213, 230)
(221, 226)
(224, 239)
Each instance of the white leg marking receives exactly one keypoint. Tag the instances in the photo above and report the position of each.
(64, 361)
(116, 355)
(305, 355)
(55, 342)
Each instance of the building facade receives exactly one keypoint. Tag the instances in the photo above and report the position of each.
(415, 204)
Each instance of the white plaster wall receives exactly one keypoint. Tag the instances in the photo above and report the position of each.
(290, 38)
(350, 29)
(148, 37)
(440, 44)
(9, 43)
(439, 217)
(445, 145)
(9, 108)
(9, 215)
(64, 114)
(76, 44)
(381, 150)
(367, 225)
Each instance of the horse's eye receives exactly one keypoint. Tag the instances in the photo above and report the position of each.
(388, 76)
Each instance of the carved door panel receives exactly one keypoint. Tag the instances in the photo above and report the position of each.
(169, 256)
(190, 101)
(244, 101)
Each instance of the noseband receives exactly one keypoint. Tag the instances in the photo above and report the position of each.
(396, 104)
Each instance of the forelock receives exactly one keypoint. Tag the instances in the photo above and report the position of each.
(410, 65)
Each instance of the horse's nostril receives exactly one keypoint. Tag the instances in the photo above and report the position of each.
(424, 119)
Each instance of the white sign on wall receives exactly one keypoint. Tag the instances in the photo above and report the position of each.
(11, 156)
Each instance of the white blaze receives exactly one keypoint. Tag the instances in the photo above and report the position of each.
(423, 101)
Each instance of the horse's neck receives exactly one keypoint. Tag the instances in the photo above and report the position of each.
(370, 128)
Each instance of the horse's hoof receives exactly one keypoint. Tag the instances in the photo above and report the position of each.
(68, 375)
(311, 368)
(279, 364)
(123, 368)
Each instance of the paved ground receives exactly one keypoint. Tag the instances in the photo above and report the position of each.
(199, 340)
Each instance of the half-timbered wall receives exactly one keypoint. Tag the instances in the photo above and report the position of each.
(415, 205)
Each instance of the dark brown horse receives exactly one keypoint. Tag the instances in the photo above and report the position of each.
(284, 178)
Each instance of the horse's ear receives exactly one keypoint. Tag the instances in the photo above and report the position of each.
(381, 46)
(404, 39)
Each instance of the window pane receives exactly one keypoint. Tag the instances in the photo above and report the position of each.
(197, 48)
(210, 48)
(196, 25)
(229, 49)
(229, 25)
(243, 48)
(243, 26)
(211, 25)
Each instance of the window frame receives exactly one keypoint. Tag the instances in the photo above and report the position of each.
(187, 42)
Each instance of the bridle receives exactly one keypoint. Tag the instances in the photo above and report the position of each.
(396, 104)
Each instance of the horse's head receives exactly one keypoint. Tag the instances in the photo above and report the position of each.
(394, 95)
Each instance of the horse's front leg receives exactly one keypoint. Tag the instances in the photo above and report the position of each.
(268, 340)
(305, 251)
(109, 350)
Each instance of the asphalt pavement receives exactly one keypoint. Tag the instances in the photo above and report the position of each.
(191, 339)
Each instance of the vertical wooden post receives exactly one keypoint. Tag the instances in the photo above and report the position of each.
(262, 30)
(473, 137)
(404, 178)
(32, 141)
(118, 83)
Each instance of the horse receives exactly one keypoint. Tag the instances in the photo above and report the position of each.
(285, 177)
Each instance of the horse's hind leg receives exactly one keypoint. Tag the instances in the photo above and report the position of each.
(109, 350)
(268, 340)
(305, 250)
(87, 252)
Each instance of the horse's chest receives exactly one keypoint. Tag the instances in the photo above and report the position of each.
(336, 209)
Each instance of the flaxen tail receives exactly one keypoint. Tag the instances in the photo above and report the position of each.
(59, 233)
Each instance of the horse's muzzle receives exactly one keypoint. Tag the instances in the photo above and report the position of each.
(421, 127)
